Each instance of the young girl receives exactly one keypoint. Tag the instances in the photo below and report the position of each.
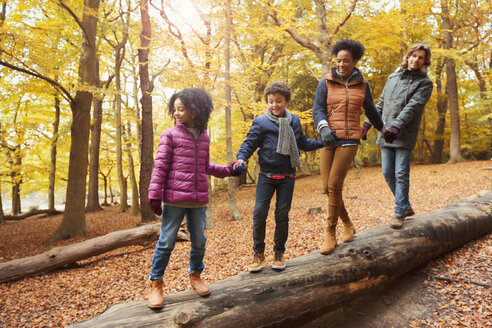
(180, 180)
(278, 135)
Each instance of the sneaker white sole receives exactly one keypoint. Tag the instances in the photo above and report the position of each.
(278, 267)
(258, 268)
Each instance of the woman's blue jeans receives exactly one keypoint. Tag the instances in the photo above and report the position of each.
(395, 163)
(171, 221)
(265, 188)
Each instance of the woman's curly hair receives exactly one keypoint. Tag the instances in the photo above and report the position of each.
(197, 102)
(355, 47)
(280, 88)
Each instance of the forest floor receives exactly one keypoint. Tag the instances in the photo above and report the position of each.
(454, 290)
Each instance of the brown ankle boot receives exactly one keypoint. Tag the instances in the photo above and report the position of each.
(198, 285)
(348, 230)
(156, 297)
(330, 240)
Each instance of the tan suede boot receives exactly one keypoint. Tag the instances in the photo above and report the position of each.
(198, 285)
(156, 300)
(348, 229)
(330, 240)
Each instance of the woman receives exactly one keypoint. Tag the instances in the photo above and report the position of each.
(336, 112)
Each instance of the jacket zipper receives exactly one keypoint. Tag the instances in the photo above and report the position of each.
(346, 111)
(196, 170)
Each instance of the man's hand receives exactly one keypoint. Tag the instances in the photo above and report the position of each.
(238, 167)
(327, 136)
(365, 128)
(155, 205)
(391, 134)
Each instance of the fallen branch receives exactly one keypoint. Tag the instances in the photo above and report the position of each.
(58, 257)
(313, 284)
(31, 213)
(450, 280)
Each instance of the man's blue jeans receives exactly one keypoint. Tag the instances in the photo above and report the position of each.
(265, 189)
(396, 170)
(171, 221)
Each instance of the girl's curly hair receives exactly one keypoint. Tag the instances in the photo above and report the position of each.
(197, 102)
(355, 47)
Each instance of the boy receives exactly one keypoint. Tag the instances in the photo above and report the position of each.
(279, 136)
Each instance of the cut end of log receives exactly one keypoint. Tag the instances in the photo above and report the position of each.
(183, 317)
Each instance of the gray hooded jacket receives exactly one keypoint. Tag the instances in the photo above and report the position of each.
(402, 103)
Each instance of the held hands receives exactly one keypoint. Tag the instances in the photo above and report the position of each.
(365, 128)
(155, 206)
(327, 136)
(391, 134)
(238, 167)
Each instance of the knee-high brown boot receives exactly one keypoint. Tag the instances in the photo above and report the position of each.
(348, 229)
(330, 239)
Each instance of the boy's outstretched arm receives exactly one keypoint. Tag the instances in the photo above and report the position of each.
(251, 143)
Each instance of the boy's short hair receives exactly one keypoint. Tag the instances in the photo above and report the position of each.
(415, 47)
(355, 47)
(280, 88)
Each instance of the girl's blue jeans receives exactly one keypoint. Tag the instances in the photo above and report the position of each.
(265, 188)
(171, 221)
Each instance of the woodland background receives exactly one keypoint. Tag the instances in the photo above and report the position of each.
(84, 85)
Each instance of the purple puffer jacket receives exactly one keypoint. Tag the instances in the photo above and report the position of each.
(181, 166)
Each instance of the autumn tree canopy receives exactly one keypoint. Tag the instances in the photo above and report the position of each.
(43, 76)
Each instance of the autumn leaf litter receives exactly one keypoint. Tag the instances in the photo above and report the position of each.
(462, 279)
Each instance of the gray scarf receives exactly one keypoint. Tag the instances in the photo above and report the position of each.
(287, 144)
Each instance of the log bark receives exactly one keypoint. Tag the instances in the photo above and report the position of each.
(313, 284)
(58, 257)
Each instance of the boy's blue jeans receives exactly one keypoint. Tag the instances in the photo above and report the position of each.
(265, 189)
(171, 221)
(395, 163)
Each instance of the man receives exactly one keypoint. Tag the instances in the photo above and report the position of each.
(401, 105)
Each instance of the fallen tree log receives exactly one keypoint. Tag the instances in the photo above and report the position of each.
(313, 284)
(59, 257)
(31, 213)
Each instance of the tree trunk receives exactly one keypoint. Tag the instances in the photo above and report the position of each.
(451, 88)
(119, 56)
(2, 216)
(73, 223)
(312, 284)
(442, 107)
(15, 161)
(131, 170)
(146, 85)
(94, 150)
(232, 181)
(54, 141)
(58, 257)
(16, 203)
